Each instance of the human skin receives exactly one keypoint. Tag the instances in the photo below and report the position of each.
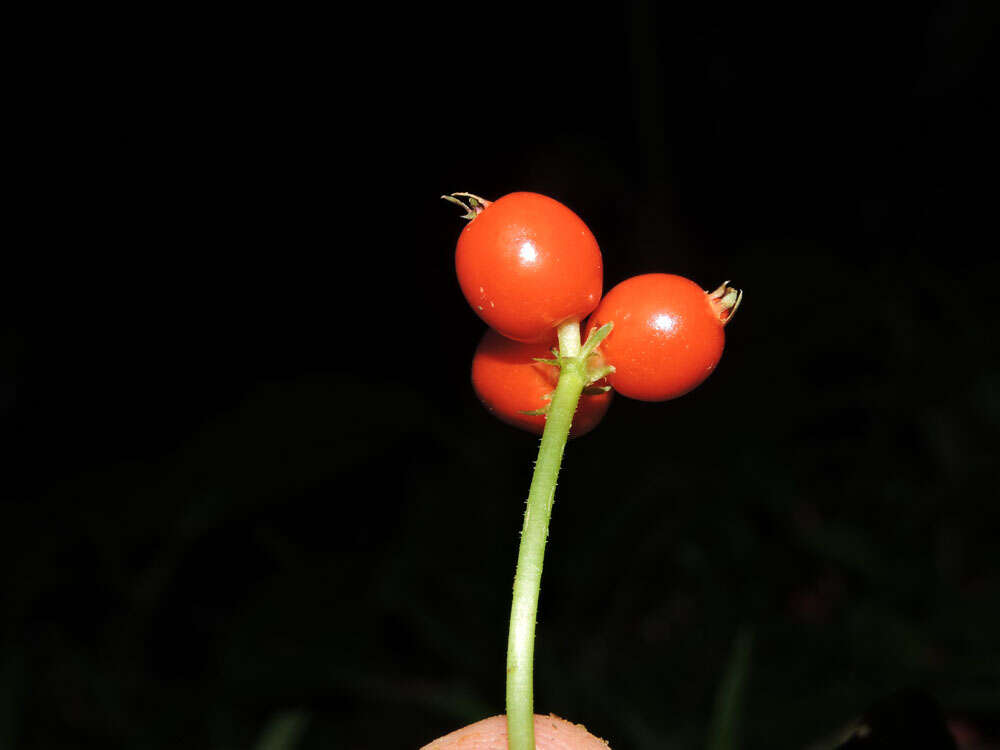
(551, 733)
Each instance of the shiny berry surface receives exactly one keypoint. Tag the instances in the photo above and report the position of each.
(526, 263)
(667, 336)
(509, 382)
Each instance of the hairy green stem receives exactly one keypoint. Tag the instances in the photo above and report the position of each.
(527, 580)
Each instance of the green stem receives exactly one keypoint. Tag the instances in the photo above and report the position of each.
(528, 578)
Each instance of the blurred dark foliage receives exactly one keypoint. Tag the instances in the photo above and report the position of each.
(908, 718)
(245, 473)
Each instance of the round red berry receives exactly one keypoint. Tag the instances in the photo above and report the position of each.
(527, 264)
(667, 335)
(509, 382)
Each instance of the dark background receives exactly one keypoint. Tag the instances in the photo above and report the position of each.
(245, 470)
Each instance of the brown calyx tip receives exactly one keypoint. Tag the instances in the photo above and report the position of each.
(725, 301)
(473, 208)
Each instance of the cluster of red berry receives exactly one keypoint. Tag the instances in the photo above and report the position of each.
(528, 265)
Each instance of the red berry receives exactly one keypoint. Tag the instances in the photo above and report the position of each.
(667, 336)
(508, 381)
(526, 264)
